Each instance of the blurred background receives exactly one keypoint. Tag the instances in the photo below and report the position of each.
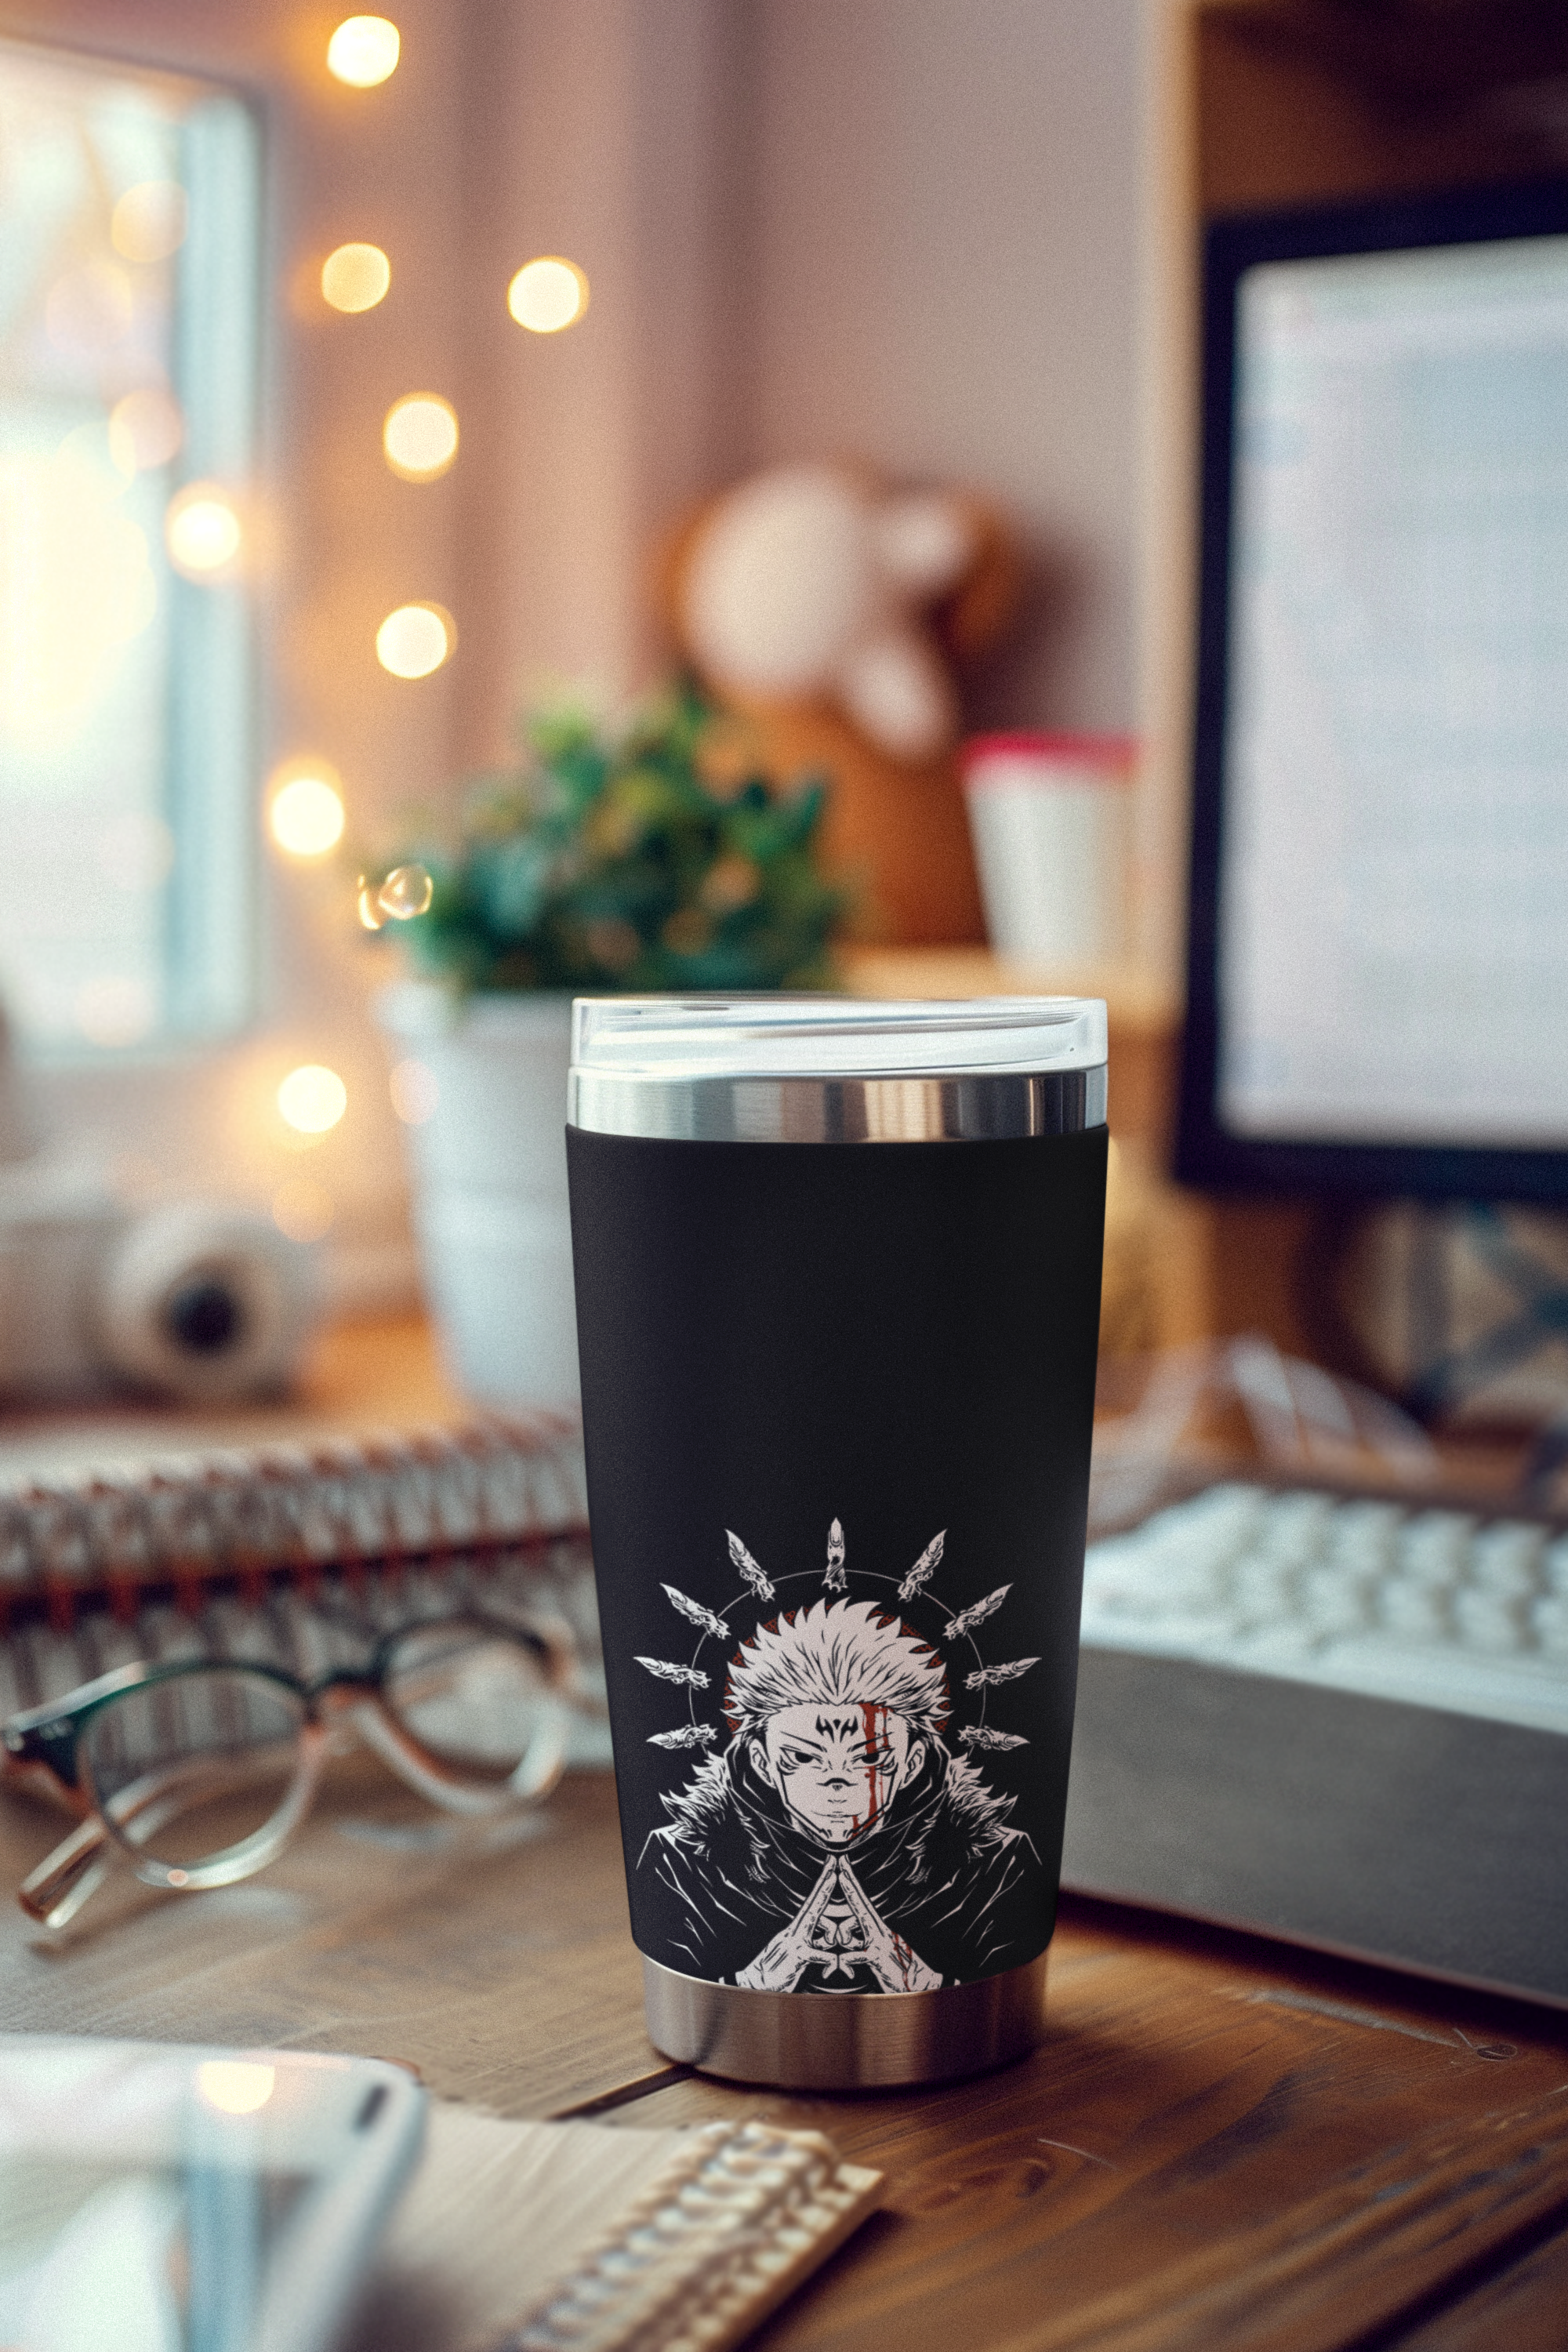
(364, 380)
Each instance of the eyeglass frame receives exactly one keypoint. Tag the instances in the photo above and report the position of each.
(41, 1747)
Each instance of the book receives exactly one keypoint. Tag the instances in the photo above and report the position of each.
(285, 1551)
(534, 2237)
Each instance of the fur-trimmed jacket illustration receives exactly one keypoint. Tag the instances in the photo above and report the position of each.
(958, 1888)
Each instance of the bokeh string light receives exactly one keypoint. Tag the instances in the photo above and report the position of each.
(419, 441)
(312, 1098)
(305, 814)
(416, 639)
(548, 294)
(355, 278)
(201, 531)
(419, 438)
(364, 51)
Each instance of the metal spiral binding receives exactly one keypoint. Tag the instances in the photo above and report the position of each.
(715, 2239)
(297, 1555)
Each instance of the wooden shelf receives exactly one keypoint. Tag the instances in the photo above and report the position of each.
(1301, 101)
(357, 1377)
(1435, 57)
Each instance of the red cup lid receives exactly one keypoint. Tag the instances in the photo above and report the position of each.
(1109, 756)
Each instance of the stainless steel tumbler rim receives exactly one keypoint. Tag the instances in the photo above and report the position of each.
(992, 1105)
(836, 1069)
(844, 2041)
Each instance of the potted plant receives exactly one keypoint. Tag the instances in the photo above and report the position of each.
(647, 858)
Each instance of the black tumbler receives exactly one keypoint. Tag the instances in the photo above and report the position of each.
(837, 1268)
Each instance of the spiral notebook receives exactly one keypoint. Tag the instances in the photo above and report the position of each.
(292, 1554)
(575, 2238)
(513, 2237)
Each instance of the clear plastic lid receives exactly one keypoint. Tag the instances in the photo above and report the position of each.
(680, 1038)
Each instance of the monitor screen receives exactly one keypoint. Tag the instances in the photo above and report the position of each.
(1379, 928)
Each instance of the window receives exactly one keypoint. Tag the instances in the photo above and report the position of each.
(128, 305)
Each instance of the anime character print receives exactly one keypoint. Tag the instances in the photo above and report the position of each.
(843, 1838)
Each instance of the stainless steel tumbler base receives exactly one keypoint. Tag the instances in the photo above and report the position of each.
(847, 2040)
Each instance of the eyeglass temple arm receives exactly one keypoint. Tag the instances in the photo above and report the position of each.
(56, 1891)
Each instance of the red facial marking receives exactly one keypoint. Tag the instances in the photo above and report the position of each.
(876, 1727)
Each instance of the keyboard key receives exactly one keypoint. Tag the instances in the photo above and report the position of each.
(1437, 1607)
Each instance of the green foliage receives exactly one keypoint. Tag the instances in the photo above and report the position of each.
(604, 864)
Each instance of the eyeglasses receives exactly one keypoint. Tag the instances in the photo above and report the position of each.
(199, 1772)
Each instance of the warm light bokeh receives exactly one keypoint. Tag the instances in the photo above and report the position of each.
(149, 222)
(415, 640)
(364, 51)
(201, 531)
(547, 295)
(420, 435)
(305, 815)
(145, 430)
(235, 2086)
(355, 276)
(312, 1098)
(406, 892)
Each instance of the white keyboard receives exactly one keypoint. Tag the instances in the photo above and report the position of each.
(1434, 1607)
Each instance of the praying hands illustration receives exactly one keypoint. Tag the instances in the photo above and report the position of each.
(837, 1780)
(838, 1930)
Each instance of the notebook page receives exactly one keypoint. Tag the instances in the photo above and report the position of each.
(495, 2242)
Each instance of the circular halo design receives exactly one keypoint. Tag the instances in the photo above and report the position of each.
(808, 1576)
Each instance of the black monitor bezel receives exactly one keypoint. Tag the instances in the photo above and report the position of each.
(1207, 1154)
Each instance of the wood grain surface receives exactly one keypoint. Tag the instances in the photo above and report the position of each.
(1222, 2142)
(504, 1972)
(1521, 2306)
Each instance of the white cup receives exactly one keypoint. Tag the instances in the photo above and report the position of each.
(1051, 820)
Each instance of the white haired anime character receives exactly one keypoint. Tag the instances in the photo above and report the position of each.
(837, 1846)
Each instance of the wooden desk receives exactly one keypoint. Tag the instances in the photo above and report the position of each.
(1221, 2142)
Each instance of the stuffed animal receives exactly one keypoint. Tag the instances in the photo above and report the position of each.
(827, 610)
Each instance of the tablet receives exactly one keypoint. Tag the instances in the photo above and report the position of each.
(159, 2198)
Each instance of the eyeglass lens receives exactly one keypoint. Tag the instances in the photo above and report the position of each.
(189, 1768)
(471, 1696)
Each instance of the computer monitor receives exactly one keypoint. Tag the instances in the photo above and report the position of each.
(1378, 928)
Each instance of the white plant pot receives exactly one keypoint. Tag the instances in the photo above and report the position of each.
(487, 1165)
